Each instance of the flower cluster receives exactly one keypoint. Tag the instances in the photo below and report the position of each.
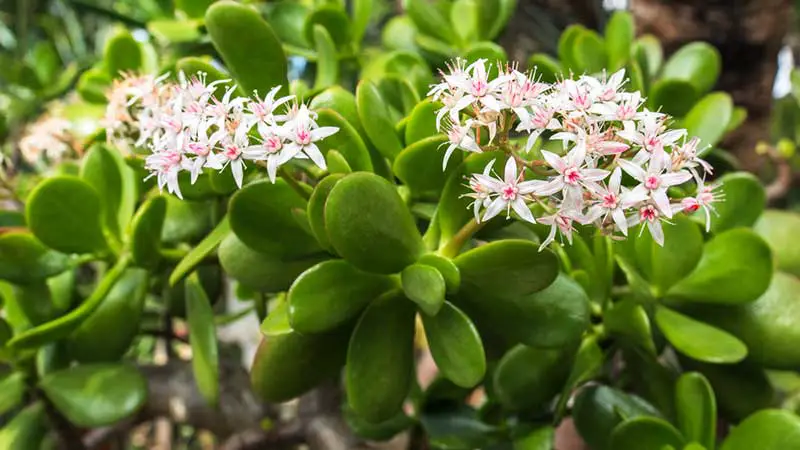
(49, 138)
(186, 127)
(604, 133)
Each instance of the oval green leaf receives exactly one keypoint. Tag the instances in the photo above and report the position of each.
(24, 260)
(674, 97)
(697, 409)
(599, 409)
(528, 377)
(425, 286)
(105, 170)
(646, 433)
(698, 63)
(419, 166)
(346, 141)
(197, 254)
(698, 340)
(455, 345)
(770, 429)
(619, 35)
(778, 229)
(374, 115)
(203, 339)
(146, 232)
(745, 200)
(708, 119)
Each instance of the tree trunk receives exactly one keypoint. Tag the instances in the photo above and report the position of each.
(748, 34)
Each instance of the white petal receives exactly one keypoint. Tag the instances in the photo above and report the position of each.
(550, 188)
(510, 172)
(550, 237)
(447, 154)
(323, 132)
(494, 208)
(238, 172)
(522, 210)
(656, 231)
(555, 161)
(594, 174)
(632, 169)
(619, 218)
(615, 180)
(673, 179)
(662, 201)
(312, 151)
(272, 167)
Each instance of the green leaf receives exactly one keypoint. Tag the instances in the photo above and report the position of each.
(599, 409)
(459, 428)
(587, 364)
(171, 32)
(12, 389)
(26, 430)
(203, 339)
(768, 326)
(96, 395)
(145, 237)
(777, 228)
(380, 358)
(316, 209)
(698, 63)
(263, 206)
(649, 54)
(528, 377)
(546, 66)
(666, 265)
(327, 61)
(672, 96)
(455, 345)
(619, 35)
(375, 118)
(364, 213)
(646, 433)
(288, 19)
(93, 84)
(566, 45)
(430, 20)
(589, 51)
(346, 141)
(464, 18)
(108, 332)
(421, 122)
(64, 213)
(709, 117)
(24, 260)
(419, 166)
(740, 389)
(335, 22)
(106, 171)
(122, 53)
(255, 58)
(737, 118)
(288, 365)
(735, 268)
(745, 200)
(699, 340)
(446, 267)
(263, 272)
(505, 11)
(770, 429)
(332, 293)
(629, 320)
(697, 409)
(540, 439)
(197, 254)
(362, 12)
(486, 50)
(382, 431)
(424, 285)
(277, 321)
(193, 8)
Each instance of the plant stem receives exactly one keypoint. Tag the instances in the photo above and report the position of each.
(453, 246)
(289, 179)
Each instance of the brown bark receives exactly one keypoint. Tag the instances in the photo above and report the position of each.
(748, 34)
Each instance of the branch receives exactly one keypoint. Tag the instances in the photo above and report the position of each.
(780, 186)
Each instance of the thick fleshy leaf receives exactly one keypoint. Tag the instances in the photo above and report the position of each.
(430, 20)
(93, 84)
(105, 170)
(193, 8)
(288, 20)
(697, 409)
(646, 433)
(459, 428)
(24, 260)
(769, 326)
(446, 267)
(674, 97)
(261, 216)
(699, 340)
(186, 221)
(599, 409)
(698, 63)
(255, 58)
(192, 66)
(12, 389)
(332, 293)
(380, 358)
(316, 209)
(587, 364)
(364, 213)
(145, 234)
(337, 163)
(327, 60)
(629, 319)
(663, 266)
(740, 389)
(546, 66)
(421, 122)
(589, 51)
(777, 228)
(744, 202)
(203, 339)
(362, 12)
(735, 268)
(200, 251)
(486, 50)
(108, 332)
(26, 430)
(419, 166)
(288, 365)
(649, 54)
(346, 141)
(708, 119)
(455, 345)
(95, 395)
(425, 286)
(122, 53)
(375, 118)
(619, 35)
(770, 429)
(262, 272)
(335, 22)
(566, 45)
(528, 377)
(277, 321)
(65, 214)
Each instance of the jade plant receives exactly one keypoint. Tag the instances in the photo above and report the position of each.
(551, 237)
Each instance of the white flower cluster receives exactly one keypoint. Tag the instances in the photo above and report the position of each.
(604, 131)
(187, 128)
(49, 137)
